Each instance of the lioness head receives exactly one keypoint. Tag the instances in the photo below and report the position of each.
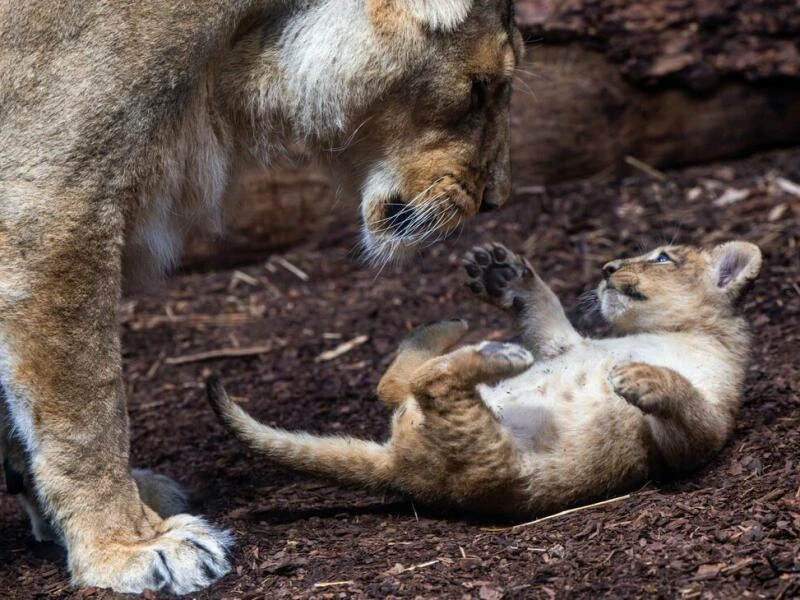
(409, 100)
(676, 288)
(439, 137)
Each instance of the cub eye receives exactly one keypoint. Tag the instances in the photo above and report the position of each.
(478, 95)
(661, 258)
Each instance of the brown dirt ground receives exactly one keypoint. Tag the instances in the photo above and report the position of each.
(729, 531)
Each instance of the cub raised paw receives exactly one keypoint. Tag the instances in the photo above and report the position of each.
(642, 385)
(498, 275)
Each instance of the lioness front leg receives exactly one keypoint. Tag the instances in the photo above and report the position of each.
(505, 279)
(686, 429)
(60, 369)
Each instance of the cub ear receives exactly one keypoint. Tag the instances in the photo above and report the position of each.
(437, 15)
(734, 265)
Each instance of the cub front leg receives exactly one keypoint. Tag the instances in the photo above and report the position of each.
(687, 430)
(60, 369)
(505, 279)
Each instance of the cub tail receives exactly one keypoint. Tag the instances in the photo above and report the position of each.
(342, 459)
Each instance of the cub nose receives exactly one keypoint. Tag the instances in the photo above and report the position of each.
(610, 268)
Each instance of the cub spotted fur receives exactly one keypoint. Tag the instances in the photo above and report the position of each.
(121, 124)
(531, 428)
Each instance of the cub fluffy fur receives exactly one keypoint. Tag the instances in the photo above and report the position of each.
(521, 429)
(121, 124)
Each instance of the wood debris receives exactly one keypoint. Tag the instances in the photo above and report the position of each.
(731, 196)
(294, 270)
(342, 349)
(221, 353)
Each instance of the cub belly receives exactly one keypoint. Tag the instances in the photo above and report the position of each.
(556, 404)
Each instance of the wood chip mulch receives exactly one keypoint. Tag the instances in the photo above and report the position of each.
(310, 352)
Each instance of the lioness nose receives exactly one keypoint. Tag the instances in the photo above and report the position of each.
(398, 215)
(610, 268)
(490, 200)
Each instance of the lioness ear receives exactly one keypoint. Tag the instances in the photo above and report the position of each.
(734, 265)
(439, 14)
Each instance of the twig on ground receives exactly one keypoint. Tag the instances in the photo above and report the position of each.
(224, 320)
(244, 278)
(773, 495)
(421, 565)
(790, 187)
(645, 168)
(342, 349)
(731, 196)
(736, 567)
(221, 353)
(294, 270)
(560, 514)
(325, 584)
(151, 372)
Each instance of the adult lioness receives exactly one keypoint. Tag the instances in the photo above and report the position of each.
(120, 126)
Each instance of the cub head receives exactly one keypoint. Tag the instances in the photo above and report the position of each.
(408, 100)
(677, 288)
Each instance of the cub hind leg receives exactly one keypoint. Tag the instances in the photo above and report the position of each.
(423, 344)
(465, 455)
(507, 280)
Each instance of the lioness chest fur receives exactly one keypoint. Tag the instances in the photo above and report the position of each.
(517, 430)
(121, 124)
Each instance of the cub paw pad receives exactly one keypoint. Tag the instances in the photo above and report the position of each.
(494, 272)
(512, 353)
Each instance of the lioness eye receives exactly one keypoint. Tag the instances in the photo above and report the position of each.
(662, 258)
(478, 95)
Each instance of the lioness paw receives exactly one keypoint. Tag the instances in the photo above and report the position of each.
(497, 275)
(638, 384)
(186, 555)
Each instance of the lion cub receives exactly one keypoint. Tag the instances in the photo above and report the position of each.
(521, 429)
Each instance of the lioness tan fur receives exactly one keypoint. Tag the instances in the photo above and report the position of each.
(121, 124)
(519, 430)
